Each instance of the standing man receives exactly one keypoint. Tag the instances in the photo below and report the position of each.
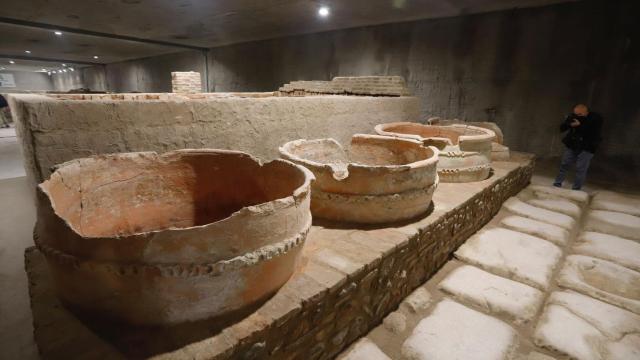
(581, 143)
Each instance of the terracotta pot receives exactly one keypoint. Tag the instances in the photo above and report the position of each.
(465, 151)
(159, 239)
(377, 179)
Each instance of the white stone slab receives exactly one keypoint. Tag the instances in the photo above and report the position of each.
(521, 208)
(585, 328)
(611, 201)
(614, 223)
(621, 251)
(454, 331)
(603, 280)
(418, 300)
(546, 192)
(493, 294)
(553, 233)
(364, 349)
(512, 254)
(560, 205)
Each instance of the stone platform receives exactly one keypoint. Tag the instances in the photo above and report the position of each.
(350, 278)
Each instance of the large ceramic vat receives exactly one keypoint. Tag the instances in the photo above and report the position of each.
(465, 151)
(377, 179)
(159, 239)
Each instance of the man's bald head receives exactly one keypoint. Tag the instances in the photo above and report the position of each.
(581, 110)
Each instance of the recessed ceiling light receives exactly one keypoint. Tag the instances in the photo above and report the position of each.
(323, 11)
(95, 56)
(27, 51)
(59, 33)
(11, 62)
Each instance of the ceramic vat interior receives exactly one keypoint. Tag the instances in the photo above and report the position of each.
(368, 150)
(439, 136)
(136, 193)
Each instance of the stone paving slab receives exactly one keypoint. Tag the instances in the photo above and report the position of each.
(553, 233)
(614, 223)
(562, 206)
(521, 208)
(585, 328)
(611, 201)
(602, 280)
(550, 192)
(621, 251)
(364, 349)
(454, 331)
(512, 254)
(493, 294)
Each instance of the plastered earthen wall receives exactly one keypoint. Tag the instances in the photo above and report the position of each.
(54, 129)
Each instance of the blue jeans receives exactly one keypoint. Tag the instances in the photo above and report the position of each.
(581, 159)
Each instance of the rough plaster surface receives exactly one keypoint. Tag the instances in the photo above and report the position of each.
(493, 294)
(609, 247)
(614, 223)
(553, 233)
(53, 131)
(508, 253)
(585, 328)
(602, 280)
(611, 201)
(521, 208)
(454, 331)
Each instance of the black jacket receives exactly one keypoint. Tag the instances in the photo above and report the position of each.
(586, 136)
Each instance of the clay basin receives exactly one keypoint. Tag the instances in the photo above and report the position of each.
(159, 239)
(377, 179)
(465, 151)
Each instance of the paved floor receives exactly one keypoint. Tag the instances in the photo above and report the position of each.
(553, 276)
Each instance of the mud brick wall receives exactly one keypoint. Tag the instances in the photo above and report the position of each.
(186, 82)
(55, 129)
(350, 85)
(322, 311)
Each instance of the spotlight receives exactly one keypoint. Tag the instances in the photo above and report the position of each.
(323, 11)
(11, 62)
(64, 64)
(71, 69)
(65, 70)
(49, 73)
(95, 56)
(27, 51)
(59, 33)
(54, 71)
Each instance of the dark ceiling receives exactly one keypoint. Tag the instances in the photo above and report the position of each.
(110, 29)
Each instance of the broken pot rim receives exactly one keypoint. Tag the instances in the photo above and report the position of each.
(433, 159)
(279, 203)
(487, 135)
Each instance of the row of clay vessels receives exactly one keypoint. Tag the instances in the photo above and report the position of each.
(146, 239)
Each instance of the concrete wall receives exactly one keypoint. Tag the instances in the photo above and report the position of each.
(28, 81)
(152, 74)
(92, 77)
(523, 69)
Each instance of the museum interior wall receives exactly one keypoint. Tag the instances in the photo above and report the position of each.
(27, 80)
(491, 66)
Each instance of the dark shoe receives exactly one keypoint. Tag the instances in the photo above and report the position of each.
(557, 185)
